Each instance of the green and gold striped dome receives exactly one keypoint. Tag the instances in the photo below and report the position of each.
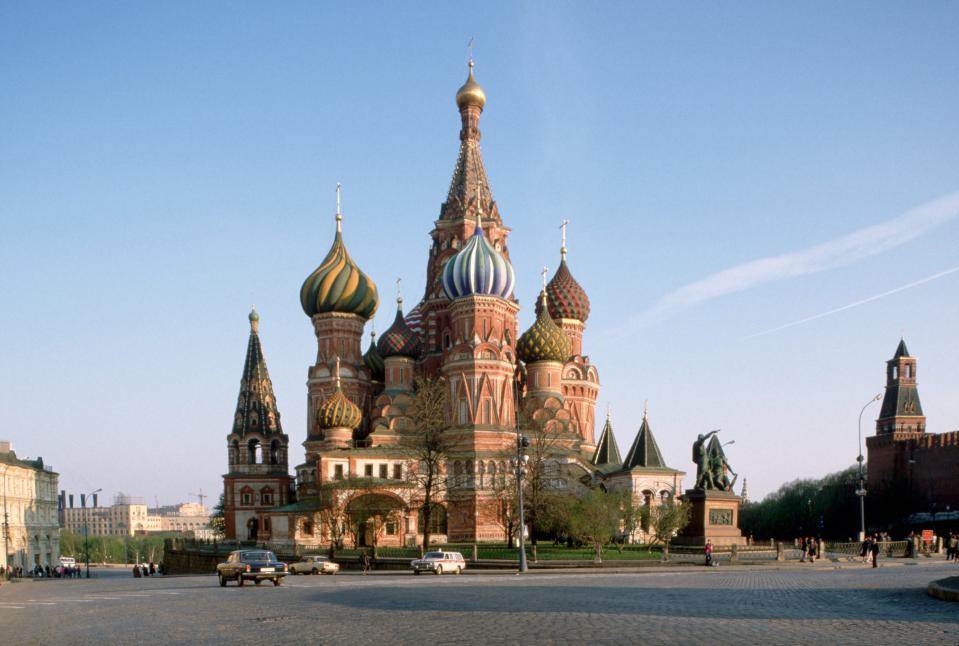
(544, 340)
(338, 285)
(338, 412)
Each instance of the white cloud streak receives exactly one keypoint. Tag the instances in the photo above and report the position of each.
(846, 250)
(902, 288)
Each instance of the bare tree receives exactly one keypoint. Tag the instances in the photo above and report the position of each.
(428, 447)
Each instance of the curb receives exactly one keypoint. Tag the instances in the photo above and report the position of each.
(945, 589)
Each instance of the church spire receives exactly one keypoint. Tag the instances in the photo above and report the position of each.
(607, 452)
(644, 452)
(469, 188)
(256, 410)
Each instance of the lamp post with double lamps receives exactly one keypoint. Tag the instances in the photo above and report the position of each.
(861, 491)
(86, 521)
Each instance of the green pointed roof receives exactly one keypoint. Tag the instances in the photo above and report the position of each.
(644, 452)
(256, 410)
(901, 351)
(607, 452)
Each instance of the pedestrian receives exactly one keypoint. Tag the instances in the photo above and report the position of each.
(153, 568)
(365, 562)
(811, 546)
(709, 552)
(864, 548)
(874, 549)
(802, 549)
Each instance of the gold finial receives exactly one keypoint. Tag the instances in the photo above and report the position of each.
(337, 371)
(544, 272)
(645, 409)
(609, 411)
(562, 250)
(469, 50)
(339, 216)
(399, 295)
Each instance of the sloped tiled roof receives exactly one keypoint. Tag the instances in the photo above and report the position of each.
(607, 452)
(644, 453)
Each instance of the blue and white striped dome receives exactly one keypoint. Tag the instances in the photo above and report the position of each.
(478, 270)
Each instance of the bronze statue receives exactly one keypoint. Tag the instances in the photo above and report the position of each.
(701, 457)
(712, 467)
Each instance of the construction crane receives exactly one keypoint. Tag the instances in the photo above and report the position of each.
(200, 496)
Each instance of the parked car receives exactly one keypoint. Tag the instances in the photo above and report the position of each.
(314, 565)
(251, 565)
(439, 563)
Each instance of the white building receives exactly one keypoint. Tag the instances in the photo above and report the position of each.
(28, 493)
(129, 516)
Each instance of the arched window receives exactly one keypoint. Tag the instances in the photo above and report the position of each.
(275, 452)
(481, 472)
(253, 451)
(437, 519)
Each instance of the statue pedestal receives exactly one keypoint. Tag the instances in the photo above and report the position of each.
(715, 517)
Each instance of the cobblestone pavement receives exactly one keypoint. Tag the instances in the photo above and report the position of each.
(727, 605)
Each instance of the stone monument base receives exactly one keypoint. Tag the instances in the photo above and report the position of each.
(715, 517)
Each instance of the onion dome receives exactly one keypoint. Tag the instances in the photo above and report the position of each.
(399, 340)
(564, 296)
(544, 340)
(478, 270)
(338, 411)
(338, 284)
(374, 360)
(471, 93)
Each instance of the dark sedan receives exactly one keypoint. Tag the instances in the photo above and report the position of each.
(251, 565)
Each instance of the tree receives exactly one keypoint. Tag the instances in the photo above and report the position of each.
(667, 520)
(218, 519)
(543, 502)
(428, 446)
(595, 518)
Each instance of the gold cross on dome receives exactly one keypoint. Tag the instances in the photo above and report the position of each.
(339, 216)
(544, 272)
(399, 296)
(562, 250)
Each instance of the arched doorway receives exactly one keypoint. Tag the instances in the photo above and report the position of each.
(376, 519)
(252, 529)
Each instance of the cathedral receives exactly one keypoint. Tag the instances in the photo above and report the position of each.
(463, 332)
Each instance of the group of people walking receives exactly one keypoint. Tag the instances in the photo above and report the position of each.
(952, 547)
(142, 570)
(809, 548)
(869, 549)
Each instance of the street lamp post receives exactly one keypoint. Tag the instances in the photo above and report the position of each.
(861, 491)
(86, 543)
(522, 443)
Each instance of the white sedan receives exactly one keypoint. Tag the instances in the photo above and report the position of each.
(439, 562)
(314, 565)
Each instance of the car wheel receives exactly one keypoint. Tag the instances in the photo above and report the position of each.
(222, 580)
(416, 572)
(459, 570)
(239, 580)
(315, 571)
(258, 581)
(277, 581)
(439, 570)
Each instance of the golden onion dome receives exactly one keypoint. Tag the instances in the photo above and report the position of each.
(544, 340)
(471, 93)
(338, 411)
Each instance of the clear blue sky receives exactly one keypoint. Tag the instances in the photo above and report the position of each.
(163, 164)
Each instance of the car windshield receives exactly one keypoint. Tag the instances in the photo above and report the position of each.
(433, 555)
(258, 556)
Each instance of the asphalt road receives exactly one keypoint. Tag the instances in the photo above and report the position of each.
(727, 605)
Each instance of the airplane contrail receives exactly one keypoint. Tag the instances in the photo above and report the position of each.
(896, 290)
